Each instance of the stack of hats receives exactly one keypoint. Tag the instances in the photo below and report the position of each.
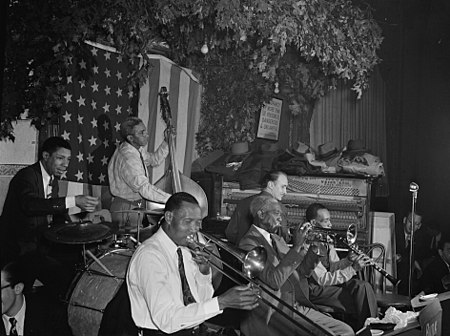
(329, 154)
(355, 148)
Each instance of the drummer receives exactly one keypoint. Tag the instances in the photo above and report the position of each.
(128, 175)
(31, 204)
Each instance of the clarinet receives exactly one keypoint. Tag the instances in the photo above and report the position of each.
(383, 272)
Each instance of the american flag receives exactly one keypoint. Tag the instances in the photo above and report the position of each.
(95, 105)
(96, 101)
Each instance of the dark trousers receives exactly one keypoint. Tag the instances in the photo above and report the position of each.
(201, 330)
(355, 297)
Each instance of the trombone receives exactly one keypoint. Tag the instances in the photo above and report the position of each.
(349, 241)
(253, 263)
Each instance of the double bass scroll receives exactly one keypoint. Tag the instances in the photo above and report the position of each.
(173, 180)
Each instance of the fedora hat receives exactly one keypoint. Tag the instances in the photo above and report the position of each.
(326, 151)
(240, 148)
(301, 148)
(355, 146)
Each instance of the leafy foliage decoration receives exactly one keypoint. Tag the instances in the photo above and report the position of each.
(303, 45)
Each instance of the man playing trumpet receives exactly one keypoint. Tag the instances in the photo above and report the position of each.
(336, 276)
(286, 273)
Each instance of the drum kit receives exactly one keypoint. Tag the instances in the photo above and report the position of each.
(98, 281)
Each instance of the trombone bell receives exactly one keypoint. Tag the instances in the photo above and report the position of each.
(253, 262)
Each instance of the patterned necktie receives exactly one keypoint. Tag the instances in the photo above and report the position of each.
(49, 191)
(13, 330)
(188, 298)
(143, 163)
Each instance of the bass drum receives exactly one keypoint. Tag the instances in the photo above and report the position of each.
(92, 290)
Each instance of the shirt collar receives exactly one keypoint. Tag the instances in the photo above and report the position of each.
(167, 243)
(131, 147)
(20, 316)
(45, 175)
(265, 234)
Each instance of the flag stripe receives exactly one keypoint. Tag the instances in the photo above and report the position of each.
(193, 120)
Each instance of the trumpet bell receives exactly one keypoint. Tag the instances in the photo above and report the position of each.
(352, 234)
(254, 262)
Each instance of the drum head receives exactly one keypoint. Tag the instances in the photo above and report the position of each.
(93, 289)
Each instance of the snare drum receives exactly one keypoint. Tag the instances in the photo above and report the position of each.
(92, 290)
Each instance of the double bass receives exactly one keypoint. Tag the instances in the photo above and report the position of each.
(173, 180)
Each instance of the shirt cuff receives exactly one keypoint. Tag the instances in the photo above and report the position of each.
(350, 271)
(212, 306)
(70, 202)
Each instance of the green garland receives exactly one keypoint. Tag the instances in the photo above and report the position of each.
(304, 46)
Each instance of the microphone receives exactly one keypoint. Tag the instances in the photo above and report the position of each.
(413, 187)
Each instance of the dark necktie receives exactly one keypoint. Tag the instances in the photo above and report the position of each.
(188, 298)
(274, 245)
(143, 163)
(13, 330)
(50, 193)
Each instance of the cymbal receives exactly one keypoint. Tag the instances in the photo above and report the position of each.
(141, 211)
(78, 233)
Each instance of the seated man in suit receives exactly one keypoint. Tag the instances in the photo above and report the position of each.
(425, 250)
(436, 278)
(274, 184)
(170, 287)
(30, 314)
(335, 276)
(31, 205)
(286, 273)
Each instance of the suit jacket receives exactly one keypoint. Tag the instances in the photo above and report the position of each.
(424, 244)
(284, 273)
(43, 316)
(24, 217)
(242, 219)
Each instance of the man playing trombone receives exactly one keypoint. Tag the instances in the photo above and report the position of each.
(170, 288)
(286, 273)
(335, 276)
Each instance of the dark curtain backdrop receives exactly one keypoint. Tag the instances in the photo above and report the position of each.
(416, 70)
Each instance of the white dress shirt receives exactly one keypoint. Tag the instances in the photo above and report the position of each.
(340, 272)
(128, 178)
(69, 200)
(20, 318)
(154, 286)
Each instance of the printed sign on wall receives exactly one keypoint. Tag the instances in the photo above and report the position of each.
(269, 120)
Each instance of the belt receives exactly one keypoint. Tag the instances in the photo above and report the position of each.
(196, 331)
(123, 200)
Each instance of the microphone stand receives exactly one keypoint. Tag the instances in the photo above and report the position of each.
(413, 188)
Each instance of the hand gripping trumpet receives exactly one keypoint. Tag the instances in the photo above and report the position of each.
(349, 241)
(253, 263)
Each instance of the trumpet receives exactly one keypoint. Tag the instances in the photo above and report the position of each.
(253, 263)
(349, 241)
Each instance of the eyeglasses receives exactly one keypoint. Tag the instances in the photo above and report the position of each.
(144, 132)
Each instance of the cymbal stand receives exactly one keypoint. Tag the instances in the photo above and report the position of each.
(138, 227)
(101, 265)
(83, 254)
(413, 188)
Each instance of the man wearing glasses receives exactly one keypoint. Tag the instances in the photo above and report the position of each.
(31, 314)
(128, 175)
